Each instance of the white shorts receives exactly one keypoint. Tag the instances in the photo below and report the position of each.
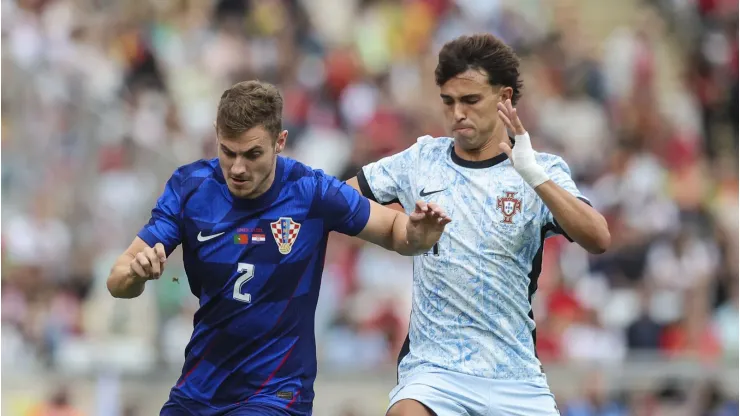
(448, 393)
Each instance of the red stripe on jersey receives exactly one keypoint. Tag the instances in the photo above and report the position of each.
(295, 397)
(285, 358)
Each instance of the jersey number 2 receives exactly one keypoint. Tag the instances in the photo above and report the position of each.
(248, 270)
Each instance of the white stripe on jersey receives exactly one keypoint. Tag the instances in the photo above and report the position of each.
(471, 301)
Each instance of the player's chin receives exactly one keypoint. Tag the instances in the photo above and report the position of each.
(468, 134)
(241, 188)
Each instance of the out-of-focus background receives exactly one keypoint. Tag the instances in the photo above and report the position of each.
(103, 99)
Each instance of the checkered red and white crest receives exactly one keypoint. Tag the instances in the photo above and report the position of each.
(285, 231)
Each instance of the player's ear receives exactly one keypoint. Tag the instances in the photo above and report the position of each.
(281, 140)
(505, 93)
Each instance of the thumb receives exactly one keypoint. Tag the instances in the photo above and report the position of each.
(159, 249)
(505, 148)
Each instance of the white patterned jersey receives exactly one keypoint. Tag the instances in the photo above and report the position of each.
(471, 307)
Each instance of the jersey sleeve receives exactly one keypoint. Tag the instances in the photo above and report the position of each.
(342, 208)
(386, 180)
(164, 224)
(559, 173)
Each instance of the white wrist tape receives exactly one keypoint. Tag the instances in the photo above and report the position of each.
(525, 162)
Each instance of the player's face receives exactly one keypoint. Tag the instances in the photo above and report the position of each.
(248, 161)
(470, 108)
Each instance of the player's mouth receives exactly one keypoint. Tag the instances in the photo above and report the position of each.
(463, 130)
(238, 181)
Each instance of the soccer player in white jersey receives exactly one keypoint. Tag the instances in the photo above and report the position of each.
(471, 343)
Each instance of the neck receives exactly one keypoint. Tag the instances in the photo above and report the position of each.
(489, 149)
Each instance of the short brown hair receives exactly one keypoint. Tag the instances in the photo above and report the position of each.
(481, 51)
(249, 104)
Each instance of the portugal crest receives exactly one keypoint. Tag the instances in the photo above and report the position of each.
(285, 231)
(509, 206)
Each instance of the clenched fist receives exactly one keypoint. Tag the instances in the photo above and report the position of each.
(148, 264)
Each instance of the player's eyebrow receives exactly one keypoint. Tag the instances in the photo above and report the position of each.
(464, 97)
(243, 153)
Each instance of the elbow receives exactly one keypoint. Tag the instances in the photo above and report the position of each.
(601, 243)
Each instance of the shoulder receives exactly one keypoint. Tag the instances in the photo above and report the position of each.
(430, 145)
(425, 147)
(303, 176)
(551, 161)
(295, 171)
(190, 176)
(199, 168)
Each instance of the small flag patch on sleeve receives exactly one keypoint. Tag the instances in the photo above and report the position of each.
(241, 239)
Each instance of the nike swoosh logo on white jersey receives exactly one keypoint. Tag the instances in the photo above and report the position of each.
(202, 238)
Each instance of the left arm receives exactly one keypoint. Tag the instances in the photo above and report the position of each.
(577, 219)
(406, 235)
(346, 211)
(580, 221)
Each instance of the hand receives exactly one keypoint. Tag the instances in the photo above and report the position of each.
(522, 155)
(426, 225)
(148, 264)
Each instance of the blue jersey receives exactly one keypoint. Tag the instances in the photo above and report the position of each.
(255, 265)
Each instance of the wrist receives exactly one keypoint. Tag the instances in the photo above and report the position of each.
(534, 175)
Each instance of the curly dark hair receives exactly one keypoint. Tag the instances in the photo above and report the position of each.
(483, 52)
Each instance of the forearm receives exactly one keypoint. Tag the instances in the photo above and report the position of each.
(121, 283)
(580, 221)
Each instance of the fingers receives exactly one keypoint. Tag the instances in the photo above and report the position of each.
(507, 113)
(505, 148)
(505, 119)
(147, 264)
(431, 212)
(142, 265)
(437, 211)
(137, 269)
(153, 258)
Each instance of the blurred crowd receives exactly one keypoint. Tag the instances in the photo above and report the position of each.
(102, 100)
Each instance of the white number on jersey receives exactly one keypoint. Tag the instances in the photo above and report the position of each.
(248, 270)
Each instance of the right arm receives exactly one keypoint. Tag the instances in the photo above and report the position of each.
(144, 259)
(137, 265)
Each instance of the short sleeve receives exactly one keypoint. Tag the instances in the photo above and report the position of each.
(386, 180)
(559, 173)
(341, 207)
(164, 224)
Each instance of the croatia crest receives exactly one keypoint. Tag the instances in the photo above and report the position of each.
(285, 231)
(509, 206)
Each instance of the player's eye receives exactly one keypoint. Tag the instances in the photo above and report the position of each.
(254, 155)
(471, 100)
(448, 101)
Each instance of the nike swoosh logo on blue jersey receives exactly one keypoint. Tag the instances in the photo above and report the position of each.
(422, 193)
(203, 238)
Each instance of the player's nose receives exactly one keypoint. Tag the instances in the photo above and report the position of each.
(238, 168)
(459, 113)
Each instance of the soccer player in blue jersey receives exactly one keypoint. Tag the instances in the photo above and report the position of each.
(471, 344)
(253, 228)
